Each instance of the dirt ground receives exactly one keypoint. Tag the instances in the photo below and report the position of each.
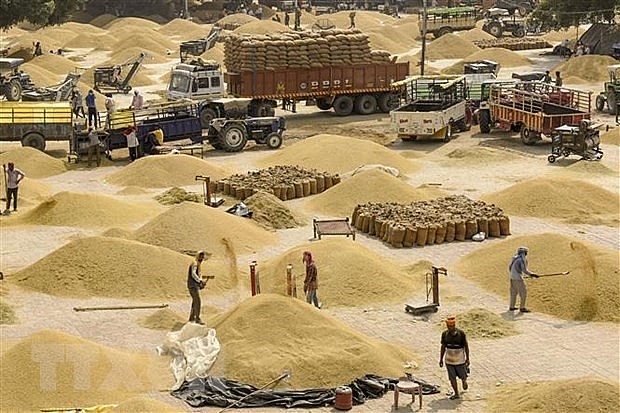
(546, 348)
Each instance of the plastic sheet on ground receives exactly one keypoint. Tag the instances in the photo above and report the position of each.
(194, 349)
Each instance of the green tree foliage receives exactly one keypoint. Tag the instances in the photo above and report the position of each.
(40, 12)
(565, 13)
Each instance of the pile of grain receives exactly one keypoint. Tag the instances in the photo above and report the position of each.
(284, 181)
(130, 53)
(142, 404)
(117, 233)
(232, 21)
(31, 191)
(102, 20)
(132, 190)
(475, 34)
(571, 33)
(506, 58)
(582, 395)
(611, 137)
(32, 162)
(378, 41)
(482, 323)
(585, 69)
(111, 377)
(338, 154)
(28, 39)
(261, 27)
(40, 76)
(216, 53)
(452, 218)
(164, 319)
(326, 48)
(177, 195)
(589, 292)
(152, 40)
(140, 78)
(364, 20)
(77, 209)
(271, 212)
(134, 23)
(90, 40)
(56, 33)
(369, 186)
(563, 198)
(309, 343)
(350, 274)
(450, 46)
(165, 171)
(182, 27)
(7, 313)
(478, 155)
(193, 227)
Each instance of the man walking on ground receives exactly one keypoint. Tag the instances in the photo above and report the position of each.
(352, 18)
(94, 149)
(13, 177)
(195, 283)
(518, 267)
(311, 282)
(92, 109)
(456, 350)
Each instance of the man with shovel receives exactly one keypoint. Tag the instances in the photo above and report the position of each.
(518, 267)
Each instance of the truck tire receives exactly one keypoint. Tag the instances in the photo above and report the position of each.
(274, 140)
(34, 140)
(442, 31)
(518, 32)
(206, 116)
(494, 29)
(612, 102)
(233, 137)
(528, 137)
(343, 105)
(323, 104)
(13, 90)
(601, 101)
(484, 117)
(365, 104)
(388, 102)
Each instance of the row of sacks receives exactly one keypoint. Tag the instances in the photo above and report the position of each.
(527, 43)
(426, 229)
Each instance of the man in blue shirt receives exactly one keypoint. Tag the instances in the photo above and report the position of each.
(518, 267)
(92, 108)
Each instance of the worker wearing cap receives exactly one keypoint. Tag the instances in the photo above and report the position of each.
(518, 267)
(456, 351)
(311, 282)
(195, 283)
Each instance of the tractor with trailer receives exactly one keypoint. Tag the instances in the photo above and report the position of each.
(444, 20)
(534, 109)
(12, 80)
(116, 78)
(434, 106)
(499, 22)
(610, 98)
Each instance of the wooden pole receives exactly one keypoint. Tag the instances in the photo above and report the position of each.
(253, 277)
(289, 280)
(120, 307)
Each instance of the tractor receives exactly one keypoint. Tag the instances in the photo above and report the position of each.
(499, 22)
(12, 80)
(611, 95)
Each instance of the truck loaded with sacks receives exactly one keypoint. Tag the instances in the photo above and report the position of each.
(332, 69)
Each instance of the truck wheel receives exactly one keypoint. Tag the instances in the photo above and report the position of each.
(494, 29)
(388, 102)
(612, 102)
(206, 116)
(365, 104)
(233, 137)
(484, 117)
(600, 102)
(343, 105)
(274, 140)
(442, 31)
(527, 136)
(13, 90)
(518, 32)
(323, 104)
(34, 140)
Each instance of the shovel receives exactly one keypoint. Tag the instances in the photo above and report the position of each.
(554, 274)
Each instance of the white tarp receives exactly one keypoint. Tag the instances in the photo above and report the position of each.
(193, 349)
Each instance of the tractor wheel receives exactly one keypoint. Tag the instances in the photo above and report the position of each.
(442, 31)
(601, 101)
(343, 105)
(528, 137)
(13, 90)
(323, 104)
(274, 140)
(518, 32)
(263, 110)
(34, 140)
(551, 158)
(494, 29)
(388, 102)
(365, 104)
(484, 117)
(206, 116)
(612, 102)
(233, 137)
(522, 10)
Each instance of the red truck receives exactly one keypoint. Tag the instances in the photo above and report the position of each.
(533, 109)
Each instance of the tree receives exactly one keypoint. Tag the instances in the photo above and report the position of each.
(566, 13)
(40, 12)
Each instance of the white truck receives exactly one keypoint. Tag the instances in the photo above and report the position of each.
(434, 106)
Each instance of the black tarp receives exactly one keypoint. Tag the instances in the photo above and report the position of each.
(218, 391)
(601, 37)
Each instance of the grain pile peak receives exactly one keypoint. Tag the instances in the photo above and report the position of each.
(261, 27)
(180, 26)
(164, 171)
(32, 162)
(482, 323)
(369, 186)
(142, 404)
(477, 155)
(103, 20)
(271, 212)
(194, 227)
(475, 34)
(7, 312)
(585, 69)
(505, 57)
(450, 46)
(58, 65)
(589, 292)
(582, 395)
(86, 373)
(319, 350)
(235, 20)
(151, 40)
(134, 23)
(350, 275)
(164, 319)
(364, 20)
(338, 154)
(563, 198)
(84, 209)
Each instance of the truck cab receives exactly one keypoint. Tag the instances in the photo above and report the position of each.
(198, 80)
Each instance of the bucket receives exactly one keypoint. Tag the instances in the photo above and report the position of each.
(344, 398)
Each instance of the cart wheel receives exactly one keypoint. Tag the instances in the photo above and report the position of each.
(551, 158)
(565, 153)
(274, 140)
(435, 309)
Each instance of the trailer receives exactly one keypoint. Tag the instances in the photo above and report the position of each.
(444, 20)
(35, 123)
(533, 109)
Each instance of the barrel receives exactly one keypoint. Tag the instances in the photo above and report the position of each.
(344, 398)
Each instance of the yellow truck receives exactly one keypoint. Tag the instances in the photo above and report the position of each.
(35, 123)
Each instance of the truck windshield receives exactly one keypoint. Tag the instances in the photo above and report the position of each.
(179, 83)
